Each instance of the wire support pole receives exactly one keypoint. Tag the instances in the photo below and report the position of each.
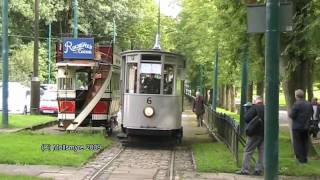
(5, 63)
(272, 90)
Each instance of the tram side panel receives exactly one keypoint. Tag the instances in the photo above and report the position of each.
(167, 112)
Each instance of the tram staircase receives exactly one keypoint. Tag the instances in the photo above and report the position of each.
(95, 93)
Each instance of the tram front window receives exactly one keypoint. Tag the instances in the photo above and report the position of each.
(150, 78)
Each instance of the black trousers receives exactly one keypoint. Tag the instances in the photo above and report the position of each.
(300, 144)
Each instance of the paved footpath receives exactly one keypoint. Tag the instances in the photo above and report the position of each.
(192, 134)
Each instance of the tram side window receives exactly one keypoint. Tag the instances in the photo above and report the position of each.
(150, 78)
(65, 84)
(131, 84)
(168, 81)
(82, 81)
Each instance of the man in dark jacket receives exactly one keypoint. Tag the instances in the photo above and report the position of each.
(198, 108)
(301, 114)
(254, 141)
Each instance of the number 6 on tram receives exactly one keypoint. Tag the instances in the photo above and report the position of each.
(152, 93)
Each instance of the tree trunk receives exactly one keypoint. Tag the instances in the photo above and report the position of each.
(227, 97)
(310, 90)
(250, 92)
(296, 79)
(260, 89)
(310, 80)
(222, 97)
(232, 90)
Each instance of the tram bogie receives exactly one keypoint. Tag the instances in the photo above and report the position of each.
(152, 97)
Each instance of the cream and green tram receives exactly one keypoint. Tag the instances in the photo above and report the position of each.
(152, 93)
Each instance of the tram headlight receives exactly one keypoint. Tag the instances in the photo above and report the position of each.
(148, 111)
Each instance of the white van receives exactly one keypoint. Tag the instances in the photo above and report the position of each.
(18, 99)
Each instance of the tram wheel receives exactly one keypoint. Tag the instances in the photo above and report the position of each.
(179, 135)
(178, 140)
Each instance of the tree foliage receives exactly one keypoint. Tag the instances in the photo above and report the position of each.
(209, 26)
(136, 25)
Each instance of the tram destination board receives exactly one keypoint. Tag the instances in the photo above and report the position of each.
(78, 48)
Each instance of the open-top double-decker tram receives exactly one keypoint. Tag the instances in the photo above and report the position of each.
(152, 97)
(88, 84)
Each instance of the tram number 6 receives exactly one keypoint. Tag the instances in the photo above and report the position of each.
(149, 100)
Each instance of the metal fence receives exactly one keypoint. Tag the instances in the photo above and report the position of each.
(224, 128)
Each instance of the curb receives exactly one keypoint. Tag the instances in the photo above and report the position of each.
(39, 126)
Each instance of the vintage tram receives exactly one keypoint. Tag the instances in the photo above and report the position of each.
(88, 84)
(152, 93)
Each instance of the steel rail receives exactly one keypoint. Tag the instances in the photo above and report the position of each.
(171, 171)
(97, 174)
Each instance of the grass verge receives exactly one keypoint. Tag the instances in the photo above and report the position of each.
(23, 121)
(213, 157)
(25, 148)
(216, 157)
(20, 177)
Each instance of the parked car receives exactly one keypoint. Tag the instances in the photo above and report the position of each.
(18, 98)
(48, 102)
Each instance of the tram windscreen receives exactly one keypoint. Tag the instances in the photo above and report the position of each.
(150, 78)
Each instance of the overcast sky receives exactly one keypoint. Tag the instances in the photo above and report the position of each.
(169, 7)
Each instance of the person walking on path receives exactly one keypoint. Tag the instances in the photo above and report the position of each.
(198, 108)
(254, 141)
(314, 126)
(301, 114)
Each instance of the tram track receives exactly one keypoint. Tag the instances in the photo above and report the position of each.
(162, 160)
(98, 173)
(172, 165)
(144, 160)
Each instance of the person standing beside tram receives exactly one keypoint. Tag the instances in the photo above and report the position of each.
(198, 108)
(301, 114)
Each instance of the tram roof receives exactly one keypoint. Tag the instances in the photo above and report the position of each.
(151, 51)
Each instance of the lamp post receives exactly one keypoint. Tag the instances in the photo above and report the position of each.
(49, 53)
(5, 59)
(272, 90)
(244, 86)
(215, 82)
(35, 83)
